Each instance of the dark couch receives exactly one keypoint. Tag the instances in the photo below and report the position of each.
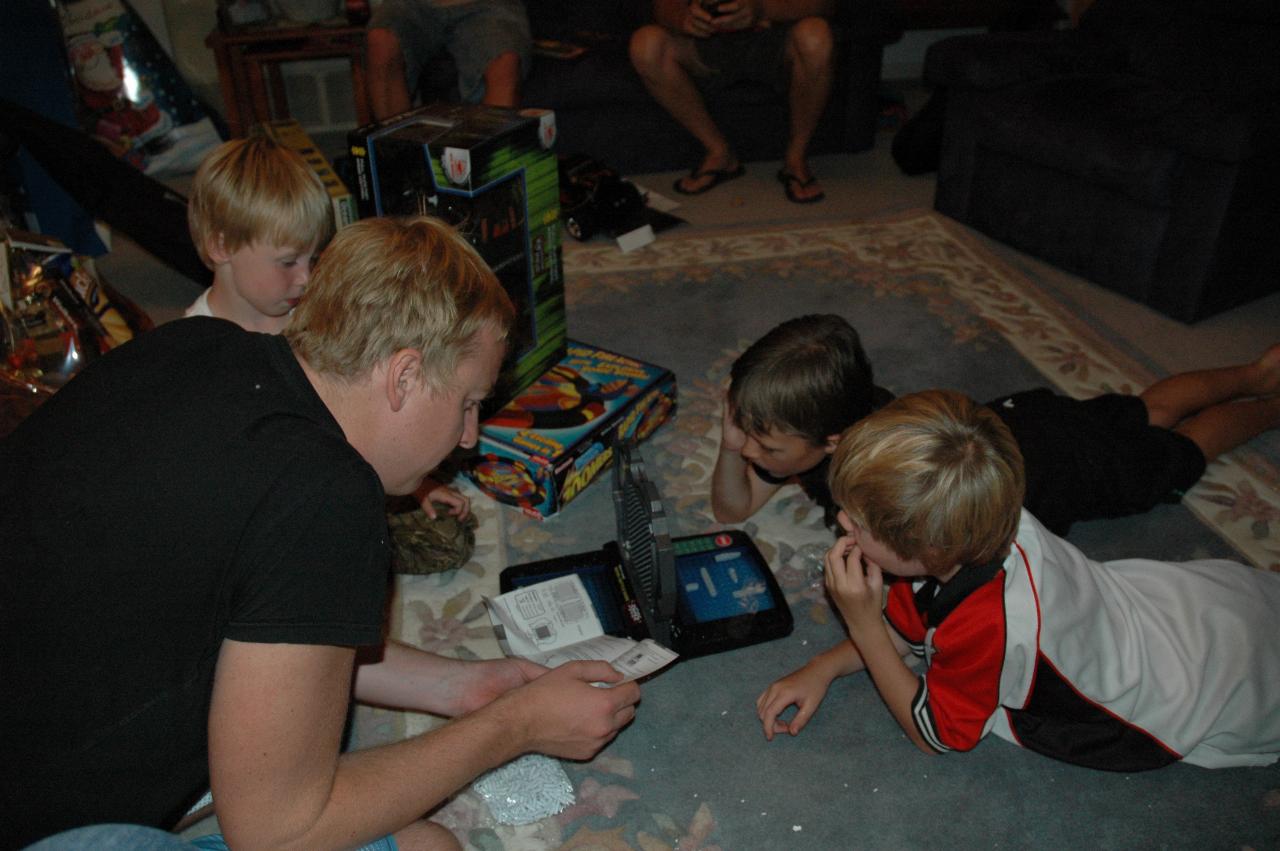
(1140, 151)
(602, 109)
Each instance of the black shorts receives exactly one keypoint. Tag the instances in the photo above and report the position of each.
(1093, 458)
(749, 55)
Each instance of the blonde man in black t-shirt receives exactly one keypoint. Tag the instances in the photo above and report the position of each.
(196, 568)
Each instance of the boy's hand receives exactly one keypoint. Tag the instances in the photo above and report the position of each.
(856, 586)
(732, 438)
(432, 491)
(803, 689)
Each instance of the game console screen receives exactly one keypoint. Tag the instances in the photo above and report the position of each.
(718, 581)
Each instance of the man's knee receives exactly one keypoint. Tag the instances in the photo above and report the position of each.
(811, 41)
(650, 46)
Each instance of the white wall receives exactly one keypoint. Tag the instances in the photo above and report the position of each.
(152, 14)
(186, 23)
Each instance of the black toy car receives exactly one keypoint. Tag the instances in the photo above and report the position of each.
(594, 198)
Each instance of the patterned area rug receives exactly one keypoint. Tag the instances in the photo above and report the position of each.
(935, 308)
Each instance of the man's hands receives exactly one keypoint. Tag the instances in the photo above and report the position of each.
(562, 714)
(728, 16)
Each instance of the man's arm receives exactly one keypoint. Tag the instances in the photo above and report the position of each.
(275, 726)
(405, 677)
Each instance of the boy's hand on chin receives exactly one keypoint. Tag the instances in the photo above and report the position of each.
(732, 438)
(855, 585)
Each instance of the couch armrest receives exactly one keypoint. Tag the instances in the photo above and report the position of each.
(996, 60)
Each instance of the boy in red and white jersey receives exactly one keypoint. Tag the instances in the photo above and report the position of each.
(1127, 665)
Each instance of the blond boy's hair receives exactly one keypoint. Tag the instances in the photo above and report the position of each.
(386, 284)
(256, 190)
(933, 476)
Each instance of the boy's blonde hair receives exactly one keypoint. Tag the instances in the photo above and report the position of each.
(256, 190)
(386, 284)
(933, 476)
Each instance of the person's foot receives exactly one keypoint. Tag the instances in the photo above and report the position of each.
(799, 184)
(714, 170)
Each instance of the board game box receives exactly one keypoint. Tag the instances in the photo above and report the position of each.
(289, 132)
(491, 173)
(542, 448)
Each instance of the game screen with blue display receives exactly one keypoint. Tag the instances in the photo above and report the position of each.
(718, 581)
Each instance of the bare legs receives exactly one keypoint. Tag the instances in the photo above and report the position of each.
(502, 80)
(1219, 409)
(389, 88)
(809, 67)
(387, 84)
(663, 59)
(665, 62)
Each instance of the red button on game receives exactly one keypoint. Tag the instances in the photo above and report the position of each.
(723, 540)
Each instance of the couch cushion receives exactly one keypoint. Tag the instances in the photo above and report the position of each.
(604, 78)
(1123, 132)
(567, 20)
(1230, 51)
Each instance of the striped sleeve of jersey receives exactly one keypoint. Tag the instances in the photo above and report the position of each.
(960, 690)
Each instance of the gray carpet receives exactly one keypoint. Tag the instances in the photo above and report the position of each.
(694, 770)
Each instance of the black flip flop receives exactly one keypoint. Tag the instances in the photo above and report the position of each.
(790, 183)
(717, 175)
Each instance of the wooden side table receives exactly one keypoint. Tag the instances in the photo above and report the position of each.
(249, 68)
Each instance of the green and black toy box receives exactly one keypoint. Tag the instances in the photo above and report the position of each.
(555, 437)
(490, 172)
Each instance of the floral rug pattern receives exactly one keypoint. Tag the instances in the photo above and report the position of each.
(979, 301)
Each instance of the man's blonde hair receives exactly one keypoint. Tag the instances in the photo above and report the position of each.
(933, 476)
(256, 190)
(386, 284)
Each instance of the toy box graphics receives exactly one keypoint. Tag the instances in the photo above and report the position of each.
(491, 173)
(289, 132)
(556, 436)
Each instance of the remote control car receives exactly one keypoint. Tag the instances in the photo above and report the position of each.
(595, 199)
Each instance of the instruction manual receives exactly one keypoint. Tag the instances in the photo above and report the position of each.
(554, 622)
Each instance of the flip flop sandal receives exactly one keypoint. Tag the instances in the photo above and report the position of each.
(790, 183)
(717, 175)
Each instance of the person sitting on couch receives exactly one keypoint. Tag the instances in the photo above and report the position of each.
(697, 48)
(489, 41)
